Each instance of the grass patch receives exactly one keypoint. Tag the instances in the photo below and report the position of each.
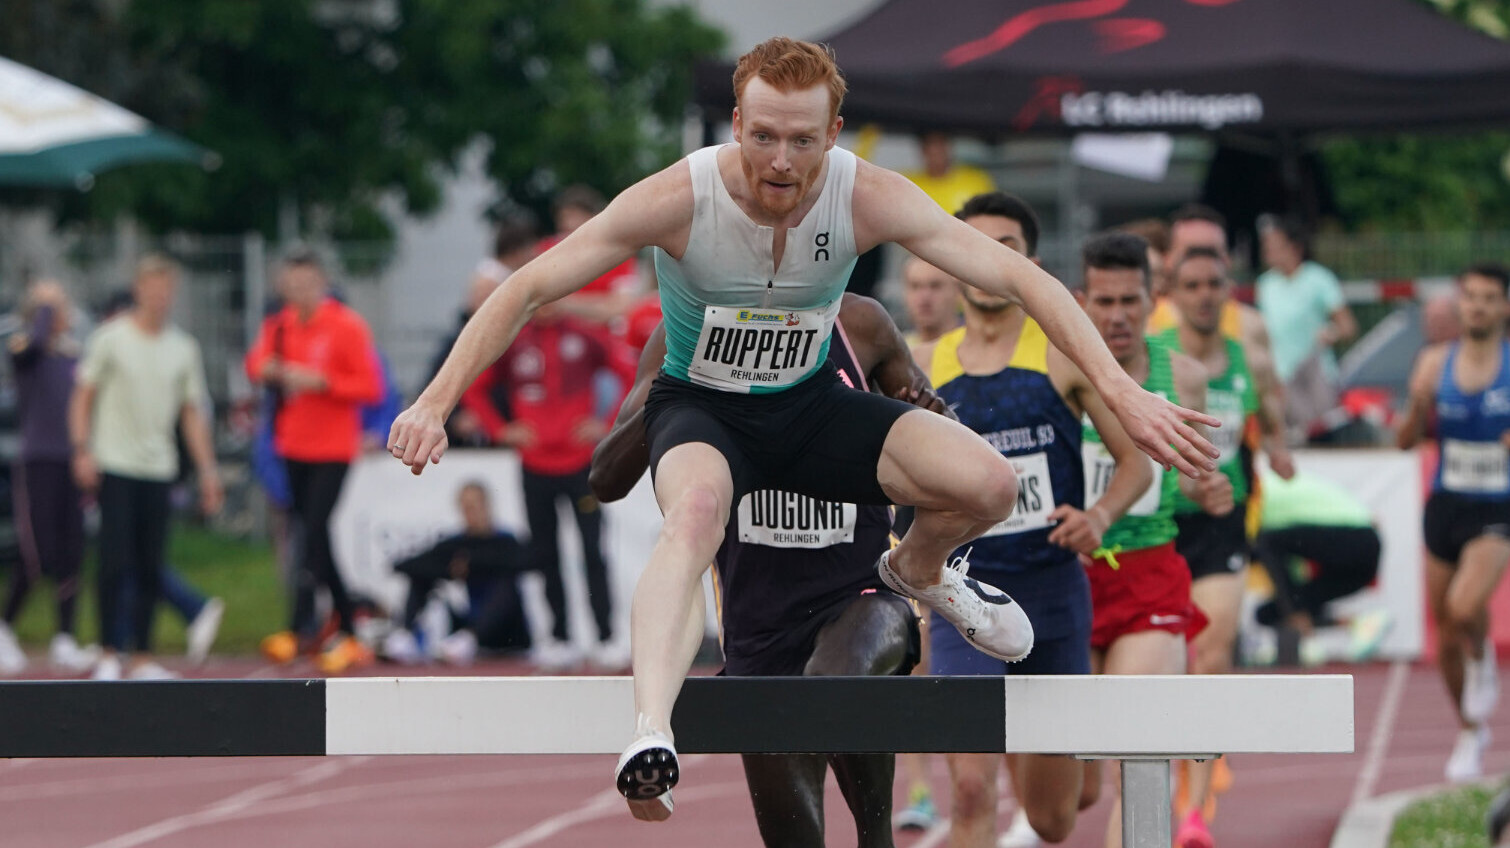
(1453, 819)
(243, 573)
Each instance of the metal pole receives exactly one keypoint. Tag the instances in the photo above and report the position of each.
(254, 280)
(1145, 804)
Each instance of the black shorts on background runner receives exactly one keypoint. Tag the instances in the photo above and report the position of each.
(1452, 521)
(1213, 544)
(819, 438)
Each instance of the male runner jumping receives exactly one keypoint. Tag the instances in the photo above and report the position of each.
(798, 592)
(754, 242)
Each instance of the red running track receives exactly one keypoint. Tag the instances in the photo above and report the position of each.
(519, 801)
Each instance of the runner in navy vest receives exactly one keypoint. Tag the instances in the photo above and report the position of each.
(1004, 380)
(1465, 387)
(754, 242)
(798, 592)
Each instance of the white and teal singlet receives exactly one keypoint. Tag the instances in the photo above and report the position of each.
(734, 321)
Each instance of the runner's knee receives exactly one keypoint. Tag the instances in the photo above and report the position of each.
(974, 796)
(993, 497)
(696, 519)
(1056, 824)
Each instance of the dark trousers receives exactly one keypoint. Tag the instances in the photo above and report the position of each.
(133, 533)
(50, 530)
(1346, 559)
(541, 491)
(315, 487)
(496, 615)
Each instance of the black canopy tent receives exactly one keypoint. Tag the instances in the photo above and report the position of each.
(1264, 73)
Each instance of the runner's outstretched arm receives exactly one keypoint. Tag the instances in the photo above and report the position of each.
(656, 211)
(888, 207)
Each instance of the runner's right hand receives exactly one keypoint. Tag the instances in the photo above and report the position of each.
(418, 436)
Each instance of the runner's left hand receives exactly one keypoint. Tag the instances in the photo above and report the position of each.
(1077, 530)
(1162, 430)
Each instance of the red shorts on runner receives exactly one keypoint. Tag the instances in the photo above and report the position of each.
(1149, 591)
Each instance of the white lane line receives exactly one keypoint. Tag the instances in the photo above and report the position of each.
(139, 780)
(609, 803)
(934, 835)
(230, 806)
(1384, 725)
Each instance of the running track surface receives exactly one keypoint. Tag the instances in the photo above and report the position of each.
(1403, 736)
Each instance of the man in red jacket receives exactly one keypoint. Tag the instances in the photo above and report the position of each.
(317, 355)
(547, 380)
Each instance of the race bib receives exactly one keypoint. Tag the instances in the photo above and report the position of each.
(784, 520)
(1099, 466)
(1475, 467)
(1035, 496)
(740, 348)
(1228, 408)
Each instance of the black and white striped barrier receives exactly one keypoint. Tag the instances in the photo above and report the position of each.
(1142, 720)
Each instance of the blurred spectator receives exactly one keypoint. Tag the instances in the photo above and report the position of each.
(1156, 233)
(513, 245)
(1303, 307)
(49, 509)
(610, 296)
(548, 376)
(1318, 542)
(318, 355)
(1439, 319)
(488, 561)
(948, 182)
(931, 298)
(201, 615)
(140, 376)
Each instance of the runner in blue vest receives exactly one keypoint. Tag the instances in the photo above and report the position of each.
(1465, 387)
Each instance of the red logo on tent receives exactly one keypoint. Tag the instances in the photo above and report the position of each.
(1046, 100)
(1117, 34)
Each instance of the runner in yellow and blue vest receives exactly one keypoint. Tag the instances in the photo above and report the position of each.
(1140, 585)
(1005, 381)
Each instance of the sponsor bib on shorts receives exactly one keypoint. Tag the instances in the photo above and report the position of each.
(1035, 496)
(785, 520)
(1228, 408)
(1475, 467)
(740, 348)
(1099, 466)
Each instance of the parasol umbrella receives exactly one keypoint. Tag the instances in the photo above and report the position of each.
(53, 134)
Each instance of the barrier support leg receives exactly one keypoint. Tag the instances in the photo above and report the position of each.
(1146, 804)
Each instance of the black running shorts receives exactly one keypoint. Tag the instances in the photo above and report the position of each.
(1452, 521)
(819, 438)
(1213, 544)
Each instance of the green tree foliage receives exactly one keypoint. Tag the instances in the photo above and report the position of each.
(1413, 182)
(337, 106)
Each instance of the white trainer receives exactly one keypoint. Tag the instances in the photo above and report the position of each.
(151, 670)
(554, 657)
(459, 649)
(12, 658)
(1467, 760)
(1020, 834)
(401, 647)
(987, 617)
(202, 631)
(647, 771)
(65, 654)
(1481, 685)
(108, 668)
